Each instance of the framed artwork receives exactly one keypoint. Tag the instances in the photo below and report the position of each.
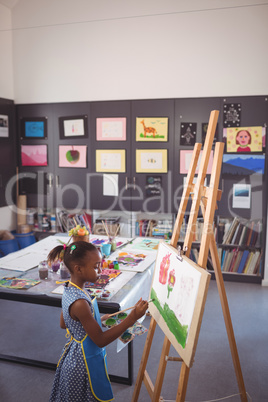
(151, 161)
(111, 160)
(237, 164)
(33, 155)
(185, 160)
(232, 114)
(34, 128)
(152, 129)
(243, 139)
(241, 195)
(179, 290)
(4, 133)
(111, 128)
(73, 127)
(188, 133)
(74, 156)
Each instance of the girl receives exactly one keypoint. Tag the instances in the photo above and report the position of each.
(81, 373)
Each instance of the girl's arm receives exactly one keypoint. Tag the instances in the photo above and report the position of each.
(80, 311)
(62, 323)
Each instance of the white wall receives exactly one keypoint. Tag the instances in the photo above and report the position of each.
(116, 49)
(6, 65)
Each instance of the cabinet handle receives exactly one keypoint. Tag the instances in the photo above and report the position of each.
(126, 184)
(134, 183)
(57, 181)
(50, 180)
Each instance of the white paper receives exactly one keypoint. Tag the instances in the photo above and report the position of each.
(110, 185)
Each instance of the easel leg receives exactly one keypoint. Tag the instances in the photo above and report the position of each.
(227, 318)
(182, 388)
(161, 370)
(144, 359)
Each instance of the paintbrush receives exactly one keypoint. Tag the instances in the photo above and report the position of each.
(126, 309)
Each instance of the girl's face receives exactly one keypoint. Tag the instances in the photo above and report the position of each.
(243, 138)
(92, 268)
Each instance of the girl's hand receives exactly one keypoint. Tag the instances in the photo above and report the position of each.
(140, 309)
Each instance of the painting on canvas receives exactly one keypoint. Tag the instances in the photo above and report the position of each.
(244, 139)
(178, 291)
(152, 129)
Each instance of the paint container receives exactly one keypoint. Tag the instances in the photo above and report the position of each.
(43, 270)
(64, 272)
(55, 266)
(113, 245)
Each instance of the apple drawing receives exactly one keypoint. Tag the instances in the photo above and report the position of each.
(72, 156)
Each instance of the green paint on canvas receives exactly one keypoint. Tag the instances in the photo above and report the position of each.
(177, 329)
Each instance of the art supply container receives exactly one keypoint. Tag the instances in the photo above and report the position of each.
(113, 245)
(64, 272)
(106, 249)
(25, 239)
(43, 270)
(55, 266)
(8, 246)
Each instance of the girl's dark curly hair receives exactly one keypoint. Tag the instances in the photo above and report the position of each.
(71, 255)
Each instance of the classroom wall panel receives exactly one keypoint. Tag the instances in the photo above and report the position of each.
(6, 65)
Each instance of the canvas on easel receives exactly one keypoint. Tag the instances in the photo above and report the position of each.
(179, 290)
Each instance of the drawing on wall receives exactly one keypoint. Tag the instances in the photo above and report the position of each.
(153, 186)
(110, 160)
(73, 127)
(232, 114)
(3, 126)
(176, 287)
(204, 133)
(152, 129)
(111, 129)
(185, 160)
(151, 160)
(34, 155)
(241, 195)
(237, 164)
(243, 139)
(34, 128)
(188, 133)
(73, 156)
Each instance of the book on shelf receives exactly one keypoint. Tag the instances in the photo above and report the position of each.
(237, 261)
(243, 261)
(231, 231)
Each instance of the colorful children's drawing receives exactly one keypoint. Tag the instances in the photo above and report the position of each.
(111, 129)
(17, 283)
(34, 155)
(73, 156)
(131, 260)
(176, 287)
(244, 139)
(152, 129)
(145, 244)
(106, 276)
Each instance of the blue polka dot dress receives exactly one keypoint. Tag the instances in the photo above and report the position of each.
(71, 383)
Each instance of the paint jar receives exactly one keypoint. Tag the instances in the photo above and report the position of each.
(113, 245)
(64, 272)
(43, 270)
(55, 266)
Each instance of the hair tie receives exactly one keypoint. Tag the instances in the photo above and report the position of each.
(64, 246)
(73, 247)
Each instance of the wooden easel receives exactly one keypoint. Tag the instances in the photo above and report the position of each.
(206, 199)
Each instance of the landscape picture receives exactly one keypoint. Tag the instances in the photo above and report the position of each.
(237, 164)
(34, 155)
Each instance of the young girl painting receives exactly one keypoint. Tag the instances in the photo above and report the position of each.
(81, 373)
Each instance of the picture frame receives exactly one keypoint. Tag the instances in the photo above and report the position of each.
(152, 129)
(111, 160)
(111, 128)
(151, 160)
(73, 156)
(185, 160)
(244, 139)
(34, 155)
(33, 128)
(4, 126)
(73, 127)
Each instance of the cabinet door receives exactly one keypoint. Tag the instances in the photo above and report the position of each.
(110, 156)
(191, 119)
(35, 130)
(149, 150)
(72, 150)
